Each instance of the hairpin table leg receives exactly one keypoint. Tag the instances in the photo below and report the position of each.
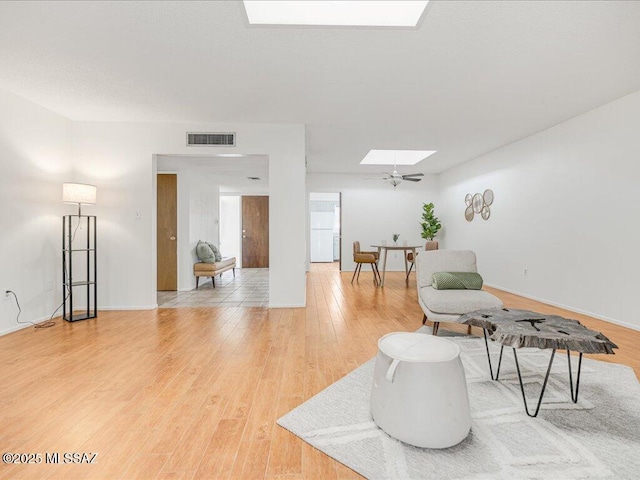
(574, 399)
(486, 344)
(544, 385)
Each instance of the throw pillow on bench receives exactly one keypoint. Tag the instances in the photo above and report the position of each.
(207, 252)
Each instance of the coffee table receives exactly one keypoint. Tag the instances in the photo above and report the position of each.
(523, 328)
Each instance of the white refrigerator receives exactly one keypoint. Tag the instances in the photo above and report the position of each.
(321, 236)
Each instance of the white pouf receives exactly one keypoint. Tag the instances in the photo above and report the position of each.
(419, 391)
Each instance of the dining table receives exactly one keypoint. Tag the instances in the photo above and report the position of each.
(382, 248)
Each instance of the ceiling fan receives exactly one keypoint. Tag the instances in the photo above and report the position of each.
(395, 178)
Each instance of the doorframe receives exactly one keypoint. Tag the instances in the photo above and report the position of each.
(154, 223)
(286, 162)
(308, 226)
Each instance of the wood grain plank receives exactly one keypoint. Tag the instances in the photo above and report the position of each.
(196, 392)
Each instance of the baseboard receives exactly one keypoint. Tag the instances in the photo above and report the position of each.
(568, 307)
(20, 326)
(289, 305)
(137, 307)
(15, 328)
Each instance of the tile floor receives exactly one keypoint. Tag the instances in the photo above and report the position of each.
(250, 288)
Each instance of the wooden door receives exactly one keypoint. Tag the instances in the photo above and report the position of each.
(255, 232)
(167, 231)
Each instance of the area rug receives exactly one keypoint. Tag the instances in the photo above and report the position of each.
(599, 437)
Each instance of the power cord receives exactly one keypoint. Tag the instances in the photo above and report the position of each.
(46, 324)
(56, 310)
(74, 233)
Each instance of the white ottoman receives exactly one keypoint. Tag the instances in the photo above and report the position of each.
(419, 391)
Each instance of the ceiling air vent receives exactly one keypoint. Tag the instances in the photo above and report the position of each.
(211, 139)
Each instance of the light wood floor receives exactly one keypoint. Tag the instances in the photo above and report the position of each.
(195, 392)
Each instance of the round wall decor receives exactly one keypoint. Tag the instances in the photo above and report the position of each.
(468, 213)
(467, 199)
(477, 203)
(488, 196)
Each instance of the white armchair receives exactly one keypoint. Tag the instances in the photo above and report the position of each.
(447, 305)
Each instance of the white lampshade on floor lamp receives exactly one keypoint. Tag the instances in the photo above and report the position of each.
(79, 193)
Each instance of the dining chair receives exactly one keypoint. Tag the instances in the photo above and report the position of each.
(430, 245)
(361, 257)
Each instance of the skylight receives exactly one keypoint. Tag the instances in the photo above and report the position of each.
(335, 13)
(395, 157)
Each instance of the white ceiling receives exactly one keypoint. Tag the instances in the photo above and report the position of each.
(473, 76)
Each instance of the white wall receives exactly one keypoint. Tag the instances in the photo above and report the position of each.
(185, 256)
(118, 157)
(324, 197)
(230, 220)
(373, 211)
(287, 221)
(566, 208)
(204, 222)
(253, 189)
(204, 210)
(35, 159)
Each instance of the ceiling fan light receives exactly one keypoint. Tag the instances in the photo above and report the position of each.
(395, 181)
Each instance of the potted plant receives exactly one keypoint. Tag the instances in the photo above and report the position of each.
(395, 237)
(430, 223)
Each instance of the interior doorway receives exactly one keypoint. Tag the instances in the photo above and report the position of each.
(230, 226)
(255, 231)
(204, 184)
(167, 231)
(325, 223)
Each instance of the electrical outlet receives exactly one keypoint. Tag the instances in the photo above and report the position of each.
(525, 272)
(4, 295)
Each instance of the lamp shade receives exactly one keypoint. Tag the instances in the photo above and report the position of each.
(79, 193)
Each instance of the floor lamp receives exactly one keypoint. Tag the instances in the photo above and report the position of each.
(81, 250)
